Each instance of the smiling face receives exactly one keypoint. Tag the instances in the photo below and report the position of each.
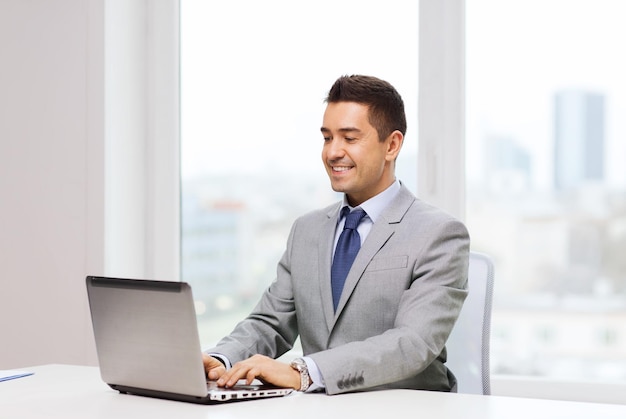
(357, 162)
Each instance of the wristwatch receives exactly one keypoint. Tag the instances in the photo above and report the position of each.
(299, 365)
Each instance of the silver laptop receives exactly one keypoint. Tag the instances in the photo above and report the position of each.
(147, 342)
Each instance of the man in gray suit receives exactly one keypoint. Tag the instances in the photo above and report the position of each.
(385, 325)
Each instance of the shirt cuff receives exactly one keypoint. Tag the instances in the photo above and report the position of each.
(316, 376)
(224, 360)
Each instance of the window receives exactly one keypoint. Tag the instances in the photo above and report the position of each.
(546, 184)
(253, 79)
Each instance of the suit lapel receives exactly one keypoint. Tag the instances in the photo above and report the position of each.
(325, 249)
(381, 232)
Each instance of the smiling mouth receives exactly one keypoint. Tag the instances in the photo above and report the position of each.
(340, 168)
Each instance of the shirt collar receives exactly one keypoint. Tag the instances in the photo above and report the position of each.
(374, 206)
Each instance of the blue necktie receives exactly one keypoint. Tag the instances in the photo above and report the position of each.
(347, 247)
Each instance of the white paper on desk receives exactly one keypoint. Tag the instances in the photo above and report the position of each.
(12, 374)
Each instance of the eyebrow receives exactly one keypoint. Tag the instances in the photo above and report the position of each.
(342, 130)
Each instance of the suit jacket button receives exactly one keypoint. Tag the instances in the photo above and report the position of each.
(340, 384)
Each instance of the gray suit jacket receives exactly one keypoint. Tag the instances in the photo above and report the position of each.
(399, 303)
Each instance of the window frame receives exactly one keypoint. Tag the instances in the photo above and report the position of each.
(142, 139)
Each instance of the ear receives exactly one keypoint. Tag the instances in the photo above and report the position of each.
(394, 144)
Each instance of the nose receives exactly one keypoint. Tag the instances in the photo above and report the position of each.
(333, 149)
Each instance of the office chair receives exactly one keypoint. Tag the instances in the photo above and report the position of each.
(468, 344)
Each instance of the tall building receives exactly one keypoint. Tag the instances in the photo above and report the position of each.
(579, 138)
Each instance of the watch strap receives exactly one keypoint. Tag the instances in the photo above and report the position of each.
(299, 365)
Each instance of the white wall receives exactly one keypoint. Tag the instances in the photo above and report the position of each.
(88, 164)
(51, 178)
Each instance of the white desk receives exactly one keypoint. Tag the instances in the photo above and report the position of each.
(62, 391)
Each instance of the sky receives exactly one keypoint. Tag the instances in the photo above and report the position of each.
(254, 76)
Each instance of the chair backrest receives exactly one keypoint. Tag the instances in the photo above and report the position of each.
(468, 344)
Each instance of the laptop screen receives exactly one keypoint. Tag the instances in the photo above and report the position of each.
(146, 334)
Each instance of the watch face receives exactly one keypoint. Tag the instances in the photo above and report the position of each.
(298, 364)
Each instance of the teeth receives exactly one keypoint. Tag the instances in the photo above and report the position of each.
(340, 169)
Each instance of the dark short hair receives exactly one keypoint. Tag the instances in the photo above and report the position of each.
(386, 108)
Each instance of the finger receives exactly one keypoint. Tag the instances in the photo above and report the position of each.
(251, 375)
(239, 371)
(213, 367)
(229, 378)
(216, 373)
